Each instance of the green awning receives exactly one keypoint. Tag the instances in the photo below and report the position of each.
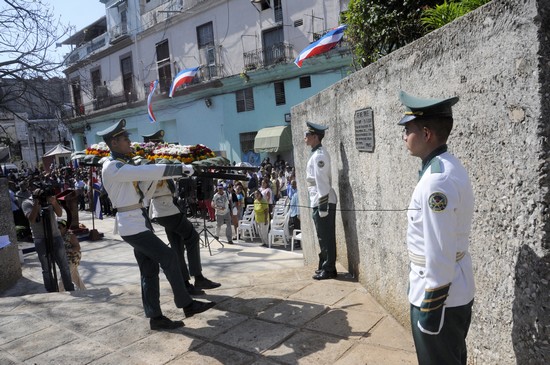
(273, 139)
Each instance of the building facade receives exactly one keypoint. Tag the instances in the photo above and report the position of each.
(31, 119)
(247, 79)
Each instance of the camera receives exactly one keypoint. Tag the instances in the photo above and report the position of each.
(42, 192)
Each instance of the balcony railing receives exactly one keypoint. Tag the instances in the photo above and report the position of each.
(85, 49)
(272, 55)
(167, 10)
(108, 99)
(104, 99)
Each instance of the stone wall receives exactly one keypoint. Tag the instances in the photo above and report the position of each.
(497, 60)
(10, 267)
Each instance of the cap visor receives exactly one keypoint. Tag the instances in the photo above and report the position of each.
(406, 119)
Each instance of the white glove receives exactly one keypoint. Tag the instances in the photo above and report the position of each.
(187, 170)
(323, 214)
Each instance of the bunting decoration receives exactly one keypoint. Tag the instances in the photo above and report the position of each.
(182, 78)
(152, 88)
(324, 44)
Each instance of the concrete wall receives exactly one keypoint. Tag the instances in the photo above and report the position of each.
(10, 267)
(496, 60)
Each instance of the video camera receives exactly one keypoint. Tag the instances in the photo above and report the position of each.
(42, 192)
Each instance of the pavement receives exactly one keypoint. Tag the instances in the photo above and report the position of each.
(269, 311)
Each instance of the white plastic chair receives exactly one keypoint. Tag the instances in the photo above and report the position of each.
(247, 226)
(279, 227)
(296, 236)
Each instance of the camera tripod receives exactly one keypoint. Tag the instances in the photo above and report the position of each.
(48, 240)
(206, 231)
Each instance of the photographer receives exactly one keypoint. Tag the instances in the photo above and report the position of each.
(41, 209)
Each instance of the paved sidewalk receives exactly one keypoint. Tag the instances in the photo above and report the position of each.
(269, 311)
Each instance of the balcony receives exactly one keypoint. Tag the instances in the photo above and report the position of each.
(104, 99)
(118, 32)
(264, 57)
(85, 49)
(165, 11)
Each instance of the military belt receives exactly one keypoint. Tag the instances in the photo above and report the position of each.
(420, 260)
(129, 207)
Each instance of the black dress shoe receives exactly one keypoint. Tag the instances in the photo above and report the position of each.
(319, 271)
(193, 290)
(205, 283)
(323, 275)
(164, 323)
(197, 307)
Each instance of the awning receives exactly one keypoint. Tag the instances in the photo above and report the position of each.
(58, 150)
(273, 139)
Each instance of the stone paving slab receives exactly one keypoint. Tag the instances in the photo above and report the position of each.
(269, 311)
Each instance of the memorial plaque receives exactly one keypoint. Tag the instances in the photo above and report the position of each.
(364, 130)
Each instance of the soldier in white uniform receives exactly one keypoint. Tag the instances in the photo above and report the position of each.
(121, 180)
(441, 280)
(180, 232)
(322, 199)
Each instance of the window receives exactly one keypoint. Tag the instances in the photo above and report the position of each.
(163, 66)
(245, 100)
(305, 82)
(127, 78)
(207, 51)
(274, 47)
(278, 10)
(96, 82)
(247, 141)
(280, 98)
(205, 35)
(77, 97)
(298, 23)
(264, 4)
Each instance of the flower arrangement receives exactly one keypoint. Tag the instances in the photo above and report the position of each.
(158, 151)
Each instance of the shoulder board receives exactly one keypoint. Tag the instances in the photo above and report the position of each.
(436, 166)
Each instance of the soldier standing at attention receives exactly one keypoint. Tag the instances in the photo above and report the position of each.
(441, 280)
(121, 181)
(322, 199)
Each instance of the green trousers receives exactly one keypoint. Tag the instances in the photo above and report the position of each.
(449, 346)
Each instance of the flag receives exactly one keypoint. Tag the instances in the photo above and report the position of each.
(182, 78)
(96, 188)
(97, 204)
(152, 88)
(324, 44)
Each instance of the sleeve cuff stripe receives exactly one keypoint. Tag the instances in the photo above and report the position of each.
(431, 309)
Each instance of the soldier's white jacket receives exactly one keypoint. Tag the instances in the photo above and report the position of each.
(439, 222)
(121, 181)
(162, 202)
(319, 178)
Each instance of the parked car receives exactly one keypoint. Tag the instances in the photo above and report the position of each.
(9, 167)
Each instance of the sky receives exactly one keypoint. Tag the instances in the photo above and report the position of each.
(77, 13)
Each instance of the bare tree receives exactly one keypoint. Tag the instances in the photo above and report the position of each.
(29, 32)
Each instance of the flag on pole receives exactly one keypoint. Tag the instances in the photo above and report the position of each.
(152, 88)
(324, 44)
(96, 187)
(182, 78)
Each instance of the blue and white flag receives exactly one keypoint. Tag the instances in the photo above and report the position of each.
(324, 44)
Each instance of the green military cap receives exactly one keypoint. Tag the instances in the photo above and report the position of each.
(157, 136)
(420, 108)
(113, 131)
(316, 128)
